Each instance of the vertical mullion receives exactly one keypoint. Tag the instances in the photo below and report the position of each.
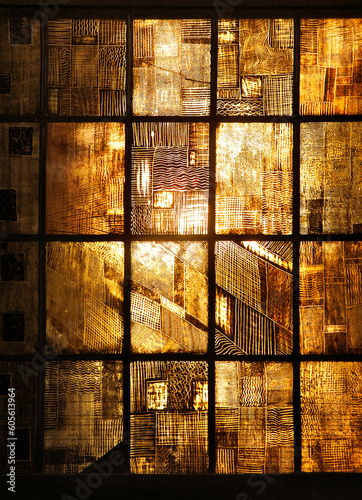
(211, 250)
(127, 243)
(296, 245)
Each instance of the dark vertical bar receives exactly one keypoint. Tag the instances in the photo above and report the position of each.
(41, 253)
(211, 240)
(127, 244)
(296, 244)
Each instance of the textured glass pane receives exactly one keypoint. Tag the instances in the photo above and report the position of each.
(254, 302)
(254, 178)
(23, 378)
(19, 284)
(331, 421)
(330, 66)
(85, 178)
(254, 417)
(85, 296)
(331, 297)
(169, 298)
(83, 413)
(86, 67)
(19, 166)
(171, 67)
(169, 417)
(170, 178)
(255, 67)
(20, 63)
(331, 177)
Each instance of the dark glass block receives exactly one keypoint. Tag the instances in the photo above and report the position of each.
(5, 383)
(12, 267)
(8, 205)
(22, 451)
(20, 31)
(20, 140)
(13, 327)
(5, 83)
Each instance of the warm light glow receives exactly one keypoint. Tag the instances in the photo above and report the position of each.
(163, 199)
(261, 251)
(144, 178)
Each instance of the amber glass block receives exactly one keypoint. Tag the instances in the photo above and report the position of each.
(254, 297)
(331, 297)
(85, 296)
(83, 413)
(20, 63)
(19, 168)
(330, 66)
(331, 418)
(85, 178)
(19, 283)
(254, 178)
(255, 67)
(169, 417)
(254, 417)
(20, 376)
(169, 297)
(171, 67)
(86, 67)
(330, 178)
(170, 178)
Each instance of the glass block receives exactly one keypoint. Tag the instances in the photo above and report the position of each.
(254, 297)
(20, 63)
(330, 66)
(330, 408)
(169, 417)
(254, 178)
(330, 178)
(19, 284)
(85, 296)
(254, 417)
(331, 297)
(170, 178)
(19, 170)
(169, 297)
(255, 67)
(22, 377)
(86, 67)
(85, 178)
(83, 413)
(171, 67)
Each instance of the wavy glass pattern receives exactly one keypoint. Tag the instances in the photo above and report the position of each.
(331, 404)
(253, 303)
(83, 413)
(331, 297)
(171, 67)
(254, 417)
(85, 178)
(169, 298)
(169, 417)
(85, 296)
(255, 67)
(170, 178)
(254, 178)
(86, 67)
(330, 178)
(330, 66)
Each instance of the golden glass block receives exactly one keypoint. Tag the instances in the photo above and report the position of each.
(86, 67)
(254, 178)
(83, 413)
(331, 297)
(169, 436)
(171, 67)
(170, 178)
(330, 66)
(254, 297)
(85, 178)
(330, 406)
(255, 67)
(330, 178)
(85, 296)
(254, 417)
(169, 298)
